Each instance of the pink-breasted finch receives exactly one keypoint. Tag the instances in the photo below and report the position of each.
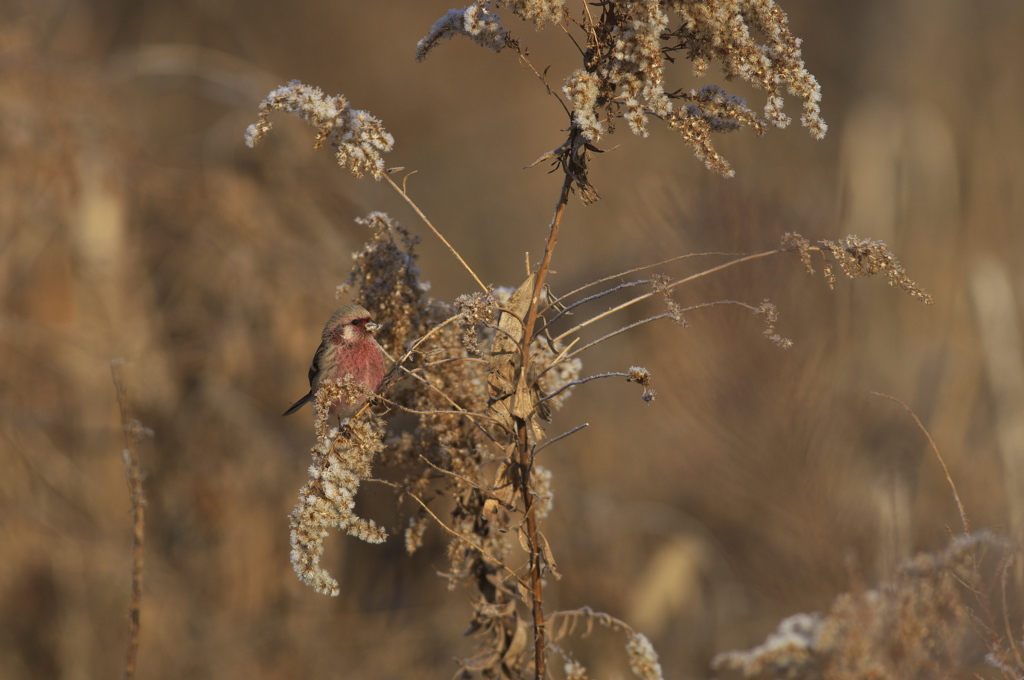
(347, 348)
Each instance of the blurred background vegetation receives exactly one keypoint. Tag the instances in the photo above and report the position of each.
(134, 223)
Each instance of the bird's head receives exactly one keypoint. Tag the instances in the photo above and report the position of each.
(351, 323)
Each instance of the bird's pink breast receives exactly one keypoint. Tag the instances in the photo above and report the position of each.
(364, 361)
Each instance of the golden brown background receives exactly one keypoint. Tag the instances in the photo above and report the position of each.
(134, 223)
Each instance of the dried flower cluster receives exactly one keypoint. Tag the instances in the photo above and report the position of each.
(641, 376)
(864, 257)
(643, 660)
(856, 256)
(476, 311)
(915, 626)
(574, 670)
(539, 12)
(771, 316)
(384, 279)
(663, 284)
(473, 21)
(357, 138)
(630, 42)
(341, 461)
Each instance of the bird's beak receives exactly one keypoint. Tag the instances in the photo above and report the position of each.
(372, 326)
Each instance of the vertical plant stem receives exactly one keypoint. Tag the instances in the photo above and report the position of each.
(130, 457)
(536, 583)
(523, 443)
(545, 264)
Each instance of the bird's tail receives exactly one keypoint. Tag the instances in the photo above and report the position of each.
(299, 404)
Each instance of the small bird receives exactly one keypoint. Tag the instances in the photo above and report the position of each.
(347, 348)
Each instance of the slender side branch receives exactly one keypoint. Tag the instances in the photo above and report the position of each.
(419, 341)
(564, 434)
(457, 408)
(525, 58)
(631, 326)
(449, 530)
(438, 412)
(574, 383)
(612, 277)
(412, 204)
(451, 360)
(589, 616)
(455, 475)
(591, 298)
(567, 355)
(693, 277)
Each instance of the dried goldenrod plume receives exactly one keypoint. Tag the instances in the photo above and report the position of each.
(625, 46)
(856, 256)
(474, 22)
(357, 138)
(342, 459)
(865, 257)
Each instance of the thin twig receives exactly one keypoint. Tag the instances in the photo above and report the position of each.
(693, 277)
(645, 267)
(460, 412)
(631, 326)
(614, 374)
(589, 616)
(537, 449)
(565, 29)
(449, 530)
(458, 408)
(525, 58)
(449, 360)
(691, 308)
(484, 491)
(591, 298)
(437, 233)
(935, 449)
(412, 373)
(423, 338)
(133, 431)
(558, 359)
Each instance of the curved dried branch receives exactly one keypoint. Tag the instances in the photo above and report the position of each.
(669, 286)
(581, 381)
(935, 450)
